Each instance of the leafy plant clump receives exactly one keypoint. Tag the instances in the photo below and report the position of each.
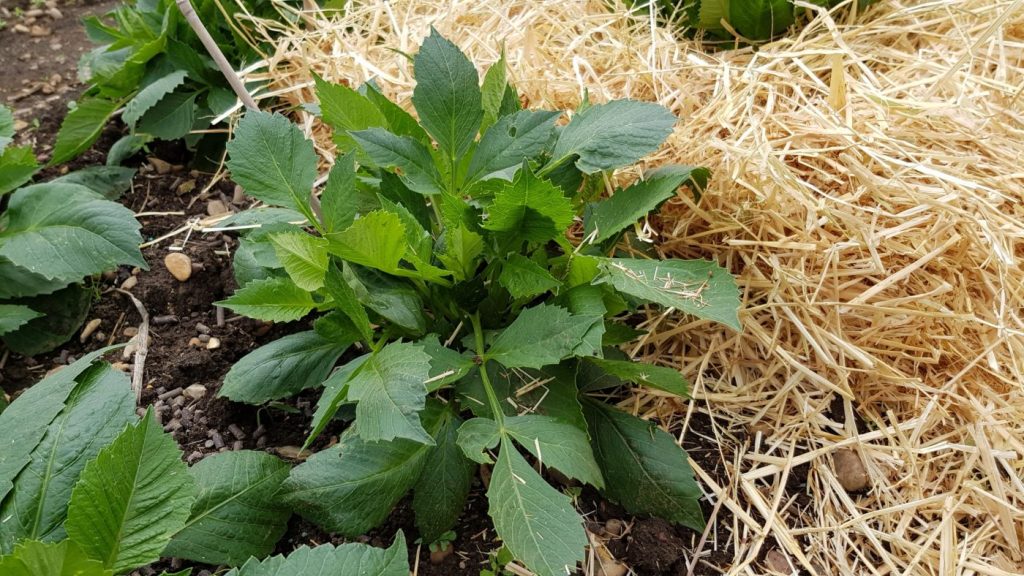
(52, 235)
(89, 489)
(440, 253)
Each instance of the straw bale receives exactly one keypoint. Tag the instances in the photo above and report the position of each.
(867, 192)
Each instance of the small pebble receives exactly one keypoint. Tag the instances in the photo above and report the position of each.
(131, 331)
(160, 166)
(439, 556)
(195, 342)
(237, 445)
(202, 328)
(173, 426)
(21, 29)
(259, 432)
(776, 561)
(213, 344)
(850, 471)
(170, 394)
(179, 265)
(238, 198)
(129, 283)
(89, 328)
(195, 391)
(261, 442)
(291, 452)
(55, 13)
(236, 431)
(216, 208)
(218, 440)
(141, 412)
(194, 457)
(99, 336)
(204, 338)
(165, 319)
(39, 31)
(208, 444)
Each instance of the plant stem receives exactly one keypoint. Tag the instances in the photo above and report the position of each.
(218, 57)
(492, 398)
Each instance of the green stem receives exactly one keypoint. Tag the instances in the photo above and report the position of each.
(492, 398)
(550, 167)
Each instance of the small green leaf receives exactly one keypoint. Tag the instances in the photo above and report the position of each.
(236, 514)
(337, 327)
(270, 300)
(412, 159)
(644, 469)
(150, 95)
(461, 249)
(81, 127)
(552, 391)
(390, 392)
(34, 558)
(17, 166)
(476, 437)
(281, 368)
(541, 335)
(347, 302)
(335, 394)
(344, 109)
(273, 161)
(698, 287)
(657, 377)
(171, 118)
(530, 209)
(304, 258)
(399, 121)
(13, 316)
(376, 240)
(6, 126)
(441, 491)
(109, 182)
(132, 498)
(537, 523)
(524, 278)
(607, 136)
(446, 365)
(338, 201)
(393, 299)
(521, 135)
(447, 95)
(126, 147)
(761, 19)
(556, 444)
(493, 92)
(61, 315)
(588, 301)
(327, 560)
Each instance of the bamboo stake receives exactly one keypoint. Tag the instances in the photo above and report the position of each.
(218, 57)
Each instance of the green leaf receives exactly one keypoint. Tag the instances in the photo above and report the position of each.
(399, 121)
(13, 316)
(606, 218)
(126, 147)
(698, 287)
(390, 391)
(66, 232)
(351, 487)
(537, 523)
(476, 437)
(446, 365)
(461, 249)
(412, 159)
(304, 258)
(552, 391)
(335, 394)
(711, 14)
(344, 109)
(26, 421)
(17, 166)
(644, 469)
(393, 299)
(338, 201)
(6, 127)
(270, 300)
(524, 278)
(273, 161)
(473, 396)
(236, 514)
(336, 327)
(107, 181)
(81, 127)
(503, 147)
(33, 558)
(493, 92)
(530, 209)
(556, 444)
(150, 95)
(171, 118)
(447, 95)
(62, 313)
(96, 411)
(132, 498)
(441, 491)
(588, 301)
(541, 335)
(347, 302)
(376, 240)
(607, 136)
(761, 19)
(327, 560)
(657, 377)
(281, 368)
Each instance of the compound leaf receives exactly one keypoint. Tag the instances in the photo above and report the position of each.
(607, 136)
(557, 444)
(303, 256)
(447, 95)
(390, 391)
(270, 300)
(541, 335)
(273, 160)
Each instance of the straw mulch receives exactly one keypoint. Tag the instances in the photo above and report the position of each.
(868, 193)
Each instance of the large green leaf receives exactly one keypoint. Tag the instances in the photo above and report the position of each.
(521, 135)
(270, 300)
(447, 95)
(761, 19)
(393, 299)
(107, 181)
(61, 314)
(441, 491)
(273, 161)
(17, 166)
(537, 523)
(541, 335)
(13, 316)
(606, 218)
(172, 117)
(34, 558)
(351, 487)
(327, 560)
(344, 109)
(698, 287)
(81, 127)
(390, 391)
(304, 258)
(409, 156)
(150, 95)
(236, 514)
(281, 368)
(607, 136)
(657, 377)
(27, 419)
(644, 469)
(376, 240)
(530, 209)
(66, 232)
(132, 498)
(557, 444)
(96, 411)
(335, 394)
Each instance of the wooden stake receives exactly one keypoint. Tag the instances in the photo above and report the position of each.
(218, 57)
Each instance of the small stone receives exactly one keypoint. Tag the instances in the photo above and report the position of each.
(179, 265)
(129, 283)
(161, 166)
(218, 440)
(195, 342)
(291, 452)
(238, 198)
(216, 208)
(442, 554)
(237, 445)
(614, 528)
(195, 391)
(120, 366)
(99, 336)
(776, 561)
(33, 13)
(208, 444)
(186, 187)
(850, 471)
(236, 431)
(54, 13)
(611, 568)
(202, 328)
(213, 344)
(89, 328)
(165, 319)
(204, 338)
(21, 29)
(131, 331)
(39, 31)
